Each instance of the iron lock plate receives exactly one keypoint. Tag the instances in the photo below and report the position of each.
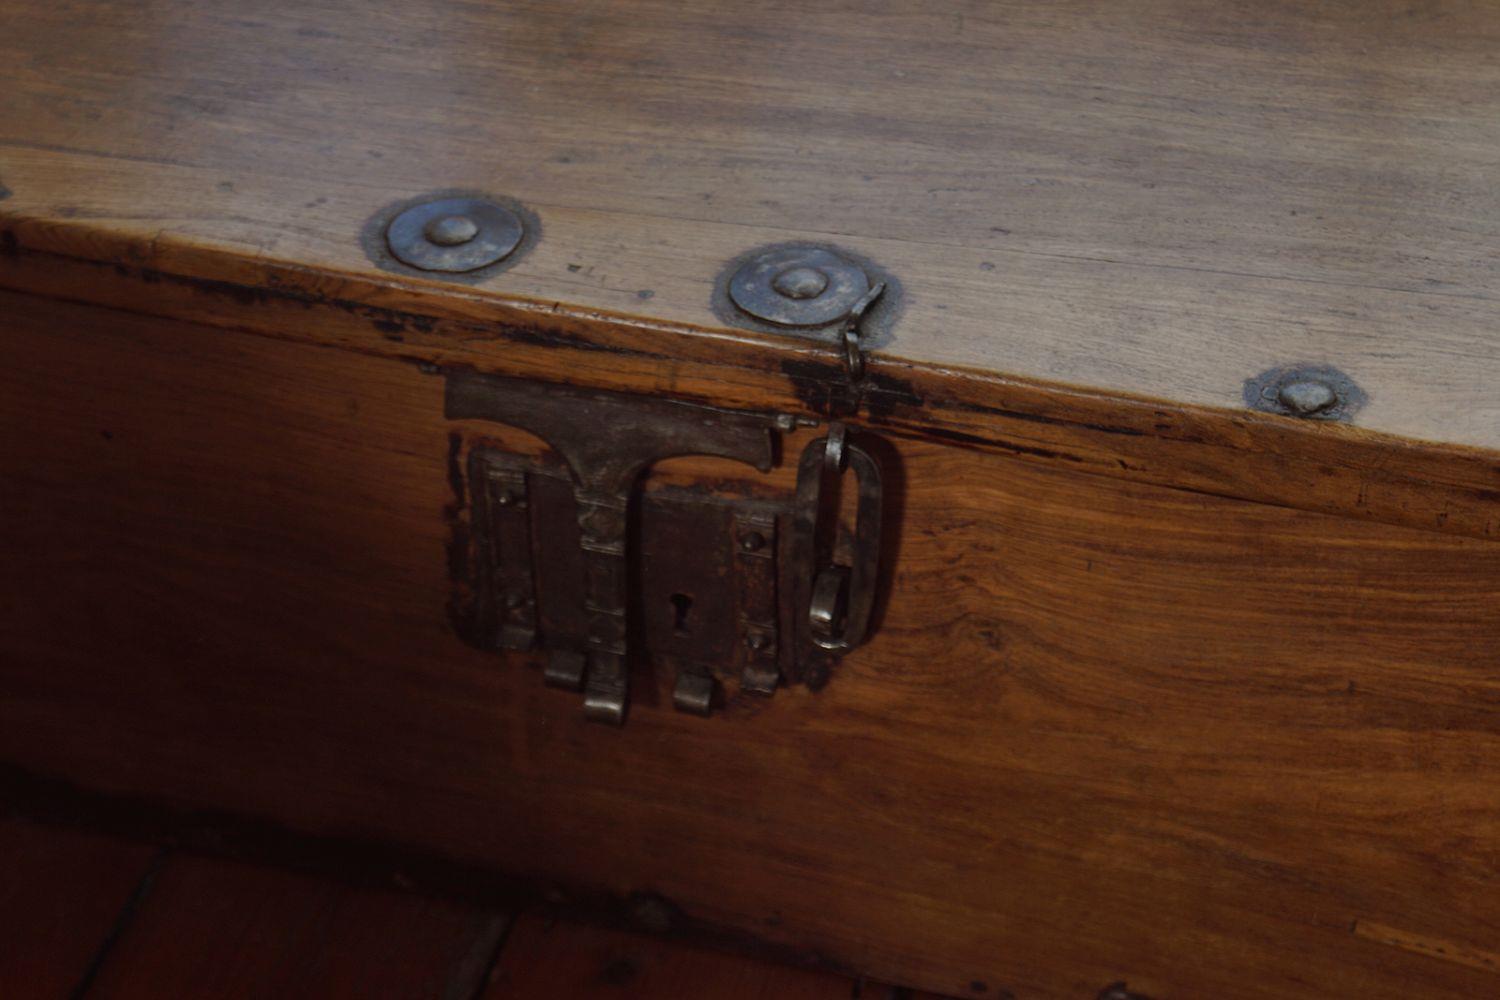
(572, 555)
(703, 588)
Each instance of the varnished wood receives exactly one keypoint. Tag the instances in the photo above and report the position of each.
(1119, 722)
(1250, 455)
(1107, 731)
(220, 929)
(63, 894)
(1156, 198)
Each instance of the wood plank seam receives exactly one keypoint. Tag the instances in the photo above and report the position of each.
(133, 904)
(471, 972)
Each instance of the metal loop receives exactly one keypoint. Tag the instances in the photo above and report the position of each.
(854, 355)
(834, 458)
(839, 598)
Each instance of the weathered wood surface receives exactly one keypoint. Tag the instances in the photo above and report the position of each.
(1308, 465)
(1107, 731)
(1156, 198)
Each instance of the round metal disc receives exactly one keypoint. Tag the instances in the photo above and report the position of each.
(1312, 392)
(776, 286)
(497, 233)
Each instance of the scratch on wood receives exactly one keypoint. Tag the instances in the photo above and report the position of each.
(1450, 951)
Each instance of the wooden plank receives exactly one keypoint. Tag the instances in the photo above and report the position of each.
(62, 894)
(1310, 465)
(1106, 732)
(544, 959)
(1160, 198)
(221, 929)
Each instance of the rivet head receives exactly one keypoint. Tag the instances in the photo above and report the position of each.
(800, 282)
(1307, 391)
(451, 230)
(752, 541)
(1307, 396)
(514, 599)
(797, 285)
(454, 234)
(757, 641)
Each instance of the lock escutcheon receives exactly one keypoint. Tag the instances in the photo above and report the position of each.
(577, 558)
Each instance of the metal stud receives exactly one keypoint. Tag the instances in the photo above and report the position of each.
(798, 285)
(1307, 396)
(1312, 392)
(454, 234)
(451, 230)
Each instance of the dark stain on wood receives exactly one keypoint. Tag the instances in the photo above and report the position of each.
(461, 598)
(1264, 458)
(1040, 418)
(824, 388)
(991, 444)
(820, 386)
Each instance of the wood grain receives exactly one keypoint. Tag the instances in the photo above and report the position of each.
(1106, 732)
(226, 930)
(1447, 951)
(62, 893)
(1302, 464)
(1159, 198)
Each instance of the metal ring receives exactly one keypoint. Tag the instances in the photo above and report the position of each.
(838, 595)
(854, 350)
(834, 458)
(798, 286)
(454, 234)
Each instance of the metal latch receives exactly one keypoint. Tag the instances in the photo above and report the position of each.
(844, 569)
(573, 556)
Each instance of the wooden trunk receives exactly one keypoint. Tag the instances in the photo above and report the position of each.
(1162, 689)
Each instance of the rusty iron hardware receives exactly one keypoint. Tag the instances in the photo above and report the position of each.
(812, 290)
(574, 557)
(853, 338)
(798, 285)
(454, 234)
(1311, 392)
(607, 440)
(837, 597)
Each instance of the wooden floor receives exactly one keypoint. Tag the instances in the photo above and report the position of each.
(84, 915)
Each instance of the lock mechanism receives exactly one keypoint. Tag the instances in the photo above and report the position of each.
(573, 557)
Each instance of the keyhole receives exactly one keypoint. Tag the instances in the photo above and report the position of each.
(681, 605)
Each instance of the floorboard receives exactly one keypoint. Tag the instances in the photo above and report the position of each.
(62, 896)
(219, 929)
(91, 917)
(545, 959)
